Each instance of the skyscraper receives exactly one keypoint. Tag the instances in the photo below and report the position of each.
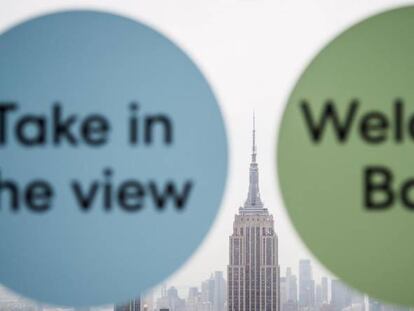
(219, 291)
(253, 272)
(306, 284)
(318, 296)
(283, 292)
(170, 300)
(292, 286)
(340, 296)
(292, 292)
(324, 284)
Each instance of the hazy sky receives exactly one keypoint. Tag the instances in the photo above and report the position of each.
(252, 52)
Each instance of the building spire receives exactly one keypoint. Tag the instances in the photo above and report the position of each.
(254, 150)
(253, 198)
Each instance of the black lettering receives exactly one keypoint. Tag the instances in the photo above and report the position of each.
(405, 194)
(4, 109)
(38, 126)
(160, 199)
(373, 126)
(377, 181)
(95, 129)
(316, 129)
(134, 124)
(85, 200)
(166, 123)
(10, 187)
(398, 114)
(38, 196)
(130, 195)
(62, 127)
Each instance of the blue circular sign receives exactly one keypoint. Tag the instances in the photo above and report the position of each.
(113, 158)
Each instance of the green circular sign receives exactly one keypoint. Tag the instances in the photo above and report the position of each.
(346, 156)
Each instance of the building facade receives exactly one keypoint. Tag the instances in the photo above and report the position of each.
(219, 291)
(340, 295)
(324, 284)
(253, 271)
(306, 285)
(292, 286)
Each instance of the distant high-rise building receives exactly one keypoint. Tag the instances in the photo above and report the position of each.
(306, 284)
(318, 296)
(212, 296)
(219, 291)
(340, 296)
(193, 294)
(253, 272)
(207, 291)
(170, 300)
(283, 292)
(324, 285)
(213, 293)
(292, 286)
(193, 300)
(290, 302)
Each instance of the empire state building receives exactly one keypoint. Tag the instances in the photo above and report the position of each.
(253, 272)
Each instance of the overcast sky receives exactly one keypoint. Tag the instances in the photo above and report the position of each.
(252, 52)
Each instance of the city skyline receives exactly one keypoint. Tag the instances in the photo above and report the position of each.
(215, 246)
(253, 273)
(298, 287)
(334, 296)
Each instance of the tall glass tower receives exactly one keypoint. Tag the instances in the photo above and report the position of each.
(253, 272)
